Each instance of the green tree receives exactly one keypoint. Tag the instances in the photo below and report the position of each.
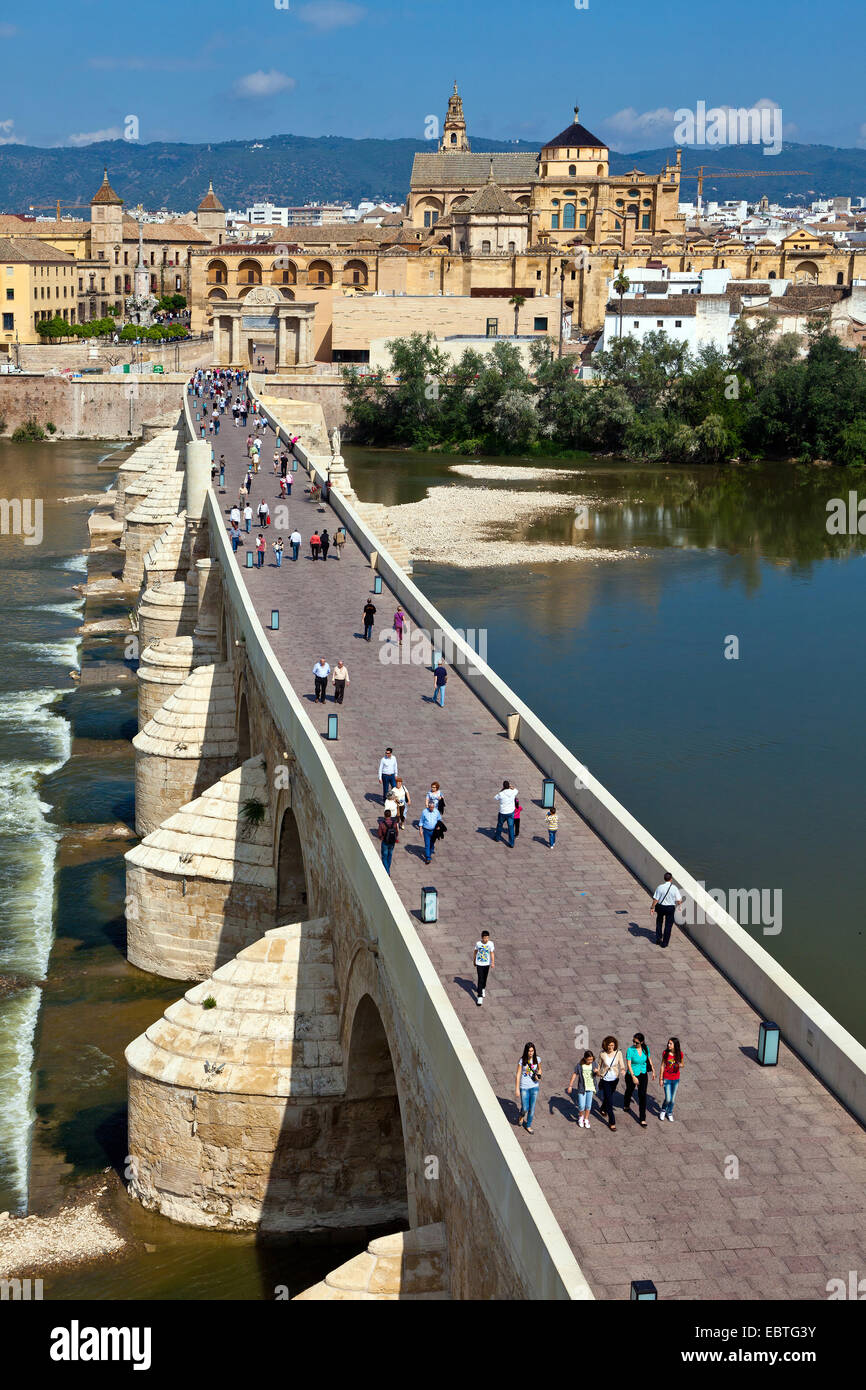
(517, 302)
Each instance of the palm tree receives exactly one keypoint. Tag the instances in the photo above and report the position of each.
(621, 284)
(517, 302)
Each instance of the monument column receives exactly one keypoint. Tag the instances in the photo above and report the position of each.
(279, 342)
(236, 340)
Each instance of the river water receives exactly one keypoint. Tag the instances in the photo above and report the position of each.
(749, 769)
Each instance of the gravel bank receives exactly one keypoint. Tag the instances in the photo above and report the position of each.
(36, 1243)
(496, 472)
(463, 526)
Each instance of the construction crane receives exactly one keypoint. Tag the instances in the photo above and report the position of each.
(739, 174)
(47, 207)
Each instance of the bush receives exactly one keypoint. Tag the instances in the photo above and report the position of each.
(51, 427)
(28, 433)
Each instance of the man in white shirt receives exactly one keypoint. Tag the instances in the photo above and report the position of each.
(507, 799)
(321, 671)
(387, 772)
(235, 516)
(483, 962)
(248, 516)
(666, 899)
(295, 540)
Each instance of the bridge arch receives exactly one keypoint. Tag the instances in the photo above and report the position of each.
(292, 892)
(371, 1087)
(244, 741)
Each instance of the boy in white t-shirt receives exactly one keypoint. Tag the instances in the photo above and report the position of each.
(483, 962)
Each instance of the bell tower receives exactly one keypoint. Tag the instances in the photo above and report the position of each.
(454, 138)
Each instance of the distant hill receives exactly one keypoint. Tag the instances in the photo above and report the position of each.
(299, 169)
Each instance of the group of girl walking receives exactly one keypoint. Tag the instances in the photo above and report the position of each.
(598, 1078)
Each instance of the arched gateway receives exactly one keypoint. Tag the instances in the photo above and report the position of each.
(263, 316)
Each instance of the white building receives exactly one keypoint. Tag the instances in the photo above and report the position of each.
(698, 308)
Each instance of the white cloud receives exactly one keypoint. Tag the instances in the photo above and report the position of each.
(263, 84)
(7, 136)
(92, 137)
(326, 15)
(630, 126)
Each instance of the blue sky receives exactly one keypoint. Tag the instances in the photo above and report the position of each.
(198, 71)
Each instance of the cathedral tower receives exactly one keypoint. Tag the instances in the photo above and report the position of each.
(454, 138)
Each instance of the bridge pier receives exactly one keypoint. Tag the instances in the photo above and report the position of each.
(190, 742)
(239, 1115)
(203, 885)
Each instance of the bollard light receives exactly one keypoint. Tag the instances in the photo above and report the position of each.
(548, 793)
(377, 584)
(643, 1290)
(429, 905)
(275, 619)
(294, 465)
(332, 727)
(249, 559)
(768, 1044)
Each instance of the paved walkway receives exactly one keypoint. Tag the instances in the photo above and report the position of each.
(575, 949)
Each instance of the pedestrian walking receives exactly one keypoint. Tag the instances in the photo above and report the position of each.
(435, 798)
(278, 551)
(321, 671)
(315, 545)
(235, 516)
(287, 479)
(401, 795)
(552, 820)
(326, 544)
(295, 541)
(264, 513)
(666, 899)
(340, 541)
(389, 834)
(440, 680)
(340, 677)
(483, 960)
(526, 1085)
(261, 547)
(387, 771)
(248, 517)
(672, 1064)
(429, 820)
(639, 1068)
(507, 800)
(610, 1069)
(235, 538)
(369, 616)
(517, 810)
(399, 623)
(222, 470)
(584, 1074)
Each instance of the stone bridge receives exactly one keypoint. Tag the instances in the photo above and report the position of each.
(327, 1068)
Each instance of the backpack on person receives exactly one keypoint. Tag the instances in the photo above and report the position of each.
(390, 835)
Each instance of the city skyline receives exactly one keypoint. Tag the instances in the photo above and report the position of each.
(334, 67)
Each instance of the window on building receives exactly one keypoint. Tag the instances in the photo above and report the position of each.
(568, 217)
(637, 323)
(645, 222)
(71, 315)
(8, 321)
(540, 325)
(840, 278)
(126, 258)
(584, 203)
(512, 246)
(678, 323)
(102, 282)
(554, 222)
(485, 248)
(620, 203)
(117, 285)
(493, 328)
(572, 170)
(538, 274)
(177, 282)
(660, 323)
(581, 221)
(10, 294)
(116, 256)
(80, 282)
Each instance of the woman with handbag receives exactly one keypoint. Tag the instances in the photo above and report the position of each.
(610, 1069)
(526, 1085)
